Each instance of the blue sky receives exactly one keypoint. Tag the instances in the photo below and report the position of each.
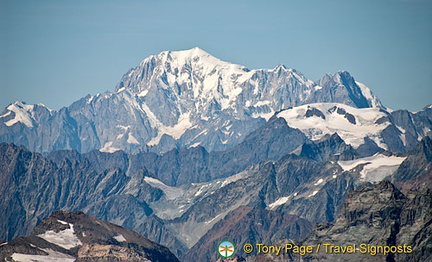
(55, 52)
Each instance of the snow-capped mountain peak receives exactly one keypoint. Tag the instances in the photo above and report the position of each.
(198, 81)
(189, 98)
(21, 112)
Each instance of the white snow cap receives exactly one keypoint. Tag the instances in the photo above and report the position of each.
(334, 120)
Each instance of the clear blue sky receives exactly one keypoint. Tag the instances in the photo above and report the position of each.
(55, 52)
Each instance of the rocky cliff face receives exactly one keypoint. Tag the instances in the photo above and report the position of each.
(416, 170)
(246, 225)
(379, 215)
(329, 148)
(372, 217)
(74, 236)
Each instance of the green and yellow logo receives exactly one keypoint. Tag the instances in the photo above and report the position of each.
(226, 249)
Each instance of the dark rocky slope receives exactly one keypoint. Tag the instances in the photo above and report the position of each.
(380, 215)
(372, 216)
(246, 225)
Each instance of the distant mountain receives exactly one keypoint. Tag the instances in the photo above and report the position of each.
(74, 236)
(177, 99)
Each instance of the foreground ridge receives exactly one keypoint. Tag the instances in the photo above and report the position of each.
(74, 236)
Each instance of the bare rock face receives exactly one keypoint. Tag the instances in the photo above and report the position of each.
(97, 251)
(328, 148)
(376, 223)
(416, 170)
(375, 216)
(246, 224)
(74, 236)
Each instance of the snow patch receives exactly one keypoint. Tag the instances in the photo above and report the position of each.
(132, 140)
(62, 222)
(169, 191)
(403, 139)
(120, 238)
(266, 116)
(195, 144)
(262, 103)
(6, 114)
(278, 202)
(211, 220)
(153, 181)
(319, 182)
(65, 238)
(90, 99)
(108, 148)
(199, 192)
(143, 93)
(175, 131)
(313, 193)
(53, 256)
(376, 167)
(232, 179)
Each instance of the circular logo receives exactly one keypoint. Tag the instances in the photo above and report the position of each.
(226, 249)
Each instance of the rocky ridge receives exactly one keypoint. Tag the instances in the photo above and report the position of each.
(74, 236)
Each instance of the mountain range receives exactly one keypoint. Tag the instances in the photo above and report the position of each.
(189, 150)
(190, 98)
